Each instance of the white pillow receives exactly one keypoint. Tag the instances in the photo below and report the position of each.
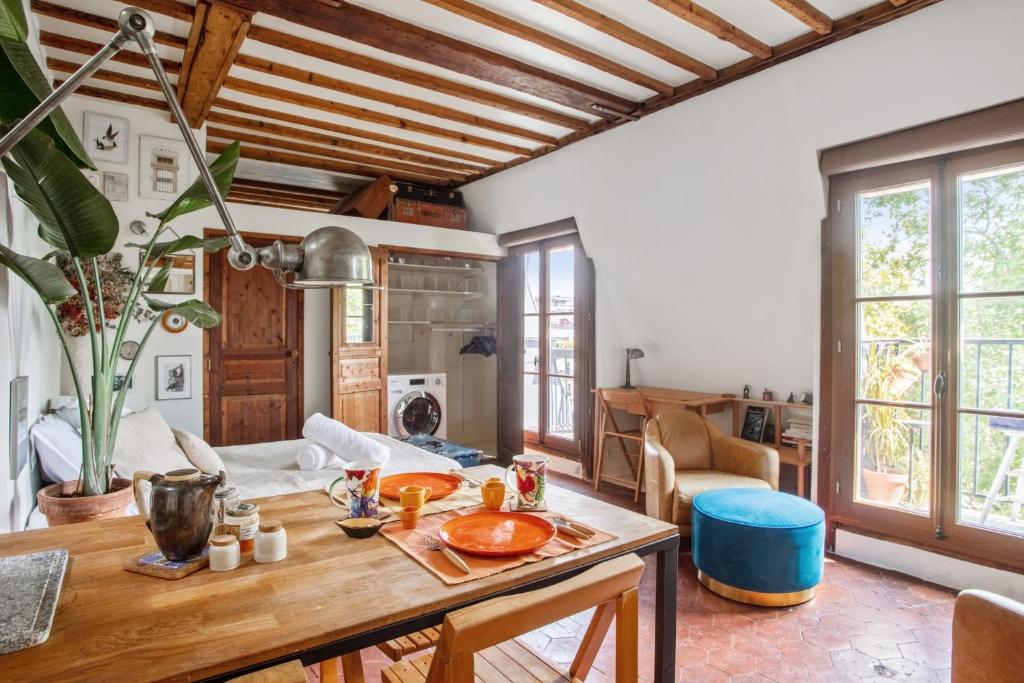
(66, 408)
(199, 453)
(145, 442)
(58, 447)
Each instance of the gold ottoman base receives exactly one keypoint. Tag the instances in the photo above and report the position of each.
(755, 597)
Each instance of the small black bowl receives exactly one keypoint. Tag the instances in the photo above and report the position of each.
(360, 527)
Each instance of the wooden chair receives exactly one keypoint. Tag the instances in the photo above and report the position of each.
(477, 643)
(628, 401)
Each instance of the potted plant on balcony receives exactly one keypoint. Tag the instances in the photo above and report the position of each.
(884, 434)
(79, 226)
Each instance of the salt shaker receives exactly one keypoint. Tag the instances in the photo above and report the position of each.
(224, 553)
(271, 542)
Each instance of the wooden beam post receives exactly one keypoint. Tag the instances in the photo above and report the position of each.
(370, 201)
(218, 30)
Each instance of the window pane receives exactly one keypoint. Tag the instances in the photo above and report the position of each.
(560, 344)
(531, 283)
(893, 236)
(531, 343)
(983, 448)
(358, 315)
(561, 279)
(560, 407)
(992, 353)
(893, 457)
(531, 403)
(894, 351)
(991, 208)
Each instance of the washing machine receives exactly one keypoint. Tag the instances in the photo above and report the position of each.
(416, 405)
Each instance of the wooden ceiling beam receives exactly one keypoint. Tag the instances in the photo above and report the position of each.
(339, 143)
(804, 11)
(410, 103)
(616, 29)
(275, 203)
(306, 161)
(321, 124)
(512, 27)
(715, 25)
(898, 3)
(361, 25)
(273, 197)
(66, 67)
(74, 16)
(283, 188)
(169, 8)
(363, 114)
(357, 160)
(420, 79)
(218, 31)
(115, 96)
(87, 47)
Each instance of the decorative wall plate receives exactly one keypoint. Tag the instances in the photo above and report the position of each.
(173, 322)
(128, 350)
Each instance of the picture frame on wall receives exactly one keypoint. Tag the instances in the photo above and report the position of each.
(165, 168)
(173, 378)
(106, 137)
(115, 186)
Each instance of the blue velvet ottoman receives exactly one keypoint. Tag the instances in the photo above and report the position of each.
(758, 546)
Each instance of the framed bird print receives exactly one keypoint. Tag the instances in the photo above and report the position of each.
(106, 137)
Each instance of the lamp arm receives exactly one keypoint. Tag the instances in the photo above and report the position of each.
(137, 26)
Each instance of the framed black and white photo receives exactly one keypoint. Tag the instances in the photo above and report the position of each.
(173, 377)
(165, 168)
(754, 422)
(106, 137)
(115, 186)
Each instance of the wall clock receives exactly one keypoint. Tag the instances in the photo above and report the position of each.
(129, 350)
(173, 322)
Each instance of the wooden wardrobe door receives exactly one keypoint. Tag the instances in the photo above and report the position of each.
(359, 366)
(253, 387)
(510, 358)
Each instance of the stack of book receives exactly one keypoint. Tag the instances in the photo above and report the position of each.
(798, 430)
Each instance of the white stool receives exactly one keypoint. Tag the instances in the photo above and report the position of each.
(1013, 428)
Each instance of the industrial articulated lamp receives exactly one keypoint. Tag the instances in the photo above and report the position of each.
(328, 257)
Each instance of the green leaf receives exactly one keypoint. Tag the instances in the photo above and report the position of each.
(159, 281)
(212, 245)
(45, 278)
(12, 20)
(24, 86)
(195, 311)
(196, 196)
(74, 216)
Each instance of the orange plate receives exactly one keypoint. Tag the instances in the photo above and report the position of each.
(440, 484)
(497, 534)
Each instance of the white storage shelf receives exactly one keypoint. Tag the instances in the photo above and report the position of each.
(421, 268)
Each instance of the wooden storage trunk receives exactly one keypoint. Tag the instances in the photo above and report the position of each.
(429, 213)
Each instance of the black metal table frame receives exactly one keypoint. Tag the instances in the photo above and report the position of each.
(667, 550)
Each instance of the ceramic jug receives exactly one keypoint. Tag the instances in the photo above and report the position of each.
(180, 510)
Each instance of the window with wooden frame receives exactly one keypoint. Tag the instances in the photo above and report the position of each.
(927, 357)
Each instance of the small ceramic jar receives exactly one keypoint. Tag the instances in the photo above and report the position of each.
(242, 521)
(271, 542)
(224, 553)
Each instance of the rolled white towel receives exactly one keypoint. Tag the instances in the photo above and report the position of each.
(345, 442)
(314, 456)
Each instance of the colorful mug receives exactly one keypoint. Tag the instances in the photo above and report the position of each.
(362, 481)
(531, 474)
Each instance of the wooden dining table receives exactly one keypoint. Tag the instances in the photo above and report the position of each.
(332, 595)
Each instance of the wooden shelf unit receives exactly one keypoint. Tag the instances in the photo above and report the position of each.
(798, 456)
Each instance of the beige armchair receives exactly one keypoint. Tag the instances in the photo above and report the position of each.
(686, 455)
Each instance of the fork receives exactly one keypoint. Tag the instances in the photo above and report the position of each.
(434, 544)
(575, 526)
(473, 483)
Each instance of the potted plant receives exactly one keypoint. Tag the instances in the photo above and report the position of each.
(78, 224)
(884, 434)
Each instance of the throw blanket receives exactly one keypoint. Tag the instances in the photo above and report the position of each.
(346, 443)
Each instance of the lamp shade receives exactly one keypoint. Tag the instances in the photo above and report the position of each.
(332, 257)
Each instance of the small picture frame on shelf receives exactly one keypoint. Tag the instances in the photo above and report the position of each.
(754, 422)
(173, 377)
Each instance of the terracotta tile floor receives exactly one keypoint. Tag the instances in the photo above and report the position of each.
(865, 624)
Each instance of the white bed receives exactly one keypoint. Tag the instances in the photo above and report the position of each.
(269, 469)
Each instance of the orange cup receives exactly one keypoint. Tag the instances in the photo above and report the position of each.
(410, 516)
(414, 496)
(493, 494)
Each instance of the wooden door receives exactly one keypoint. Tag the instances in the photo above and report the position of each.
(359, 365)
(253, 380)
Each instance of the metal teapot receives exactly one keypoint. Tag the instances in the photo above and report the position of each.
(180, 511)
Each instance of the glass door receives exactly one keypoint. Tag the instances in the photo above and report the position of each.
(549, 345)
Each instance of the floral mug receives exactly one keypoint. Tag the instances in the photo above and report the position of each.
(531, 474)
(362, 482)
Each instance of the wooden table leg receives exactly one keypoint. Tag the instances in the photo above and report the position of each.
(352, 667)
(329, 670)
(801, 470)
(665, 613)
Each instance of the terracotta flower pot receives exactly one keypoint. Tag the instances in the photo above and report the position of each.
(61, 507)
(884, 487)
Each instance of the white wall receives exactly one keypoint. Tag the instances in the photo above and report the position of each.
(703, 220)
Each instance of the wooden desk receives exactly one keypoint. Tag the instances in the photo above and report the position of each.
(333, 595)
